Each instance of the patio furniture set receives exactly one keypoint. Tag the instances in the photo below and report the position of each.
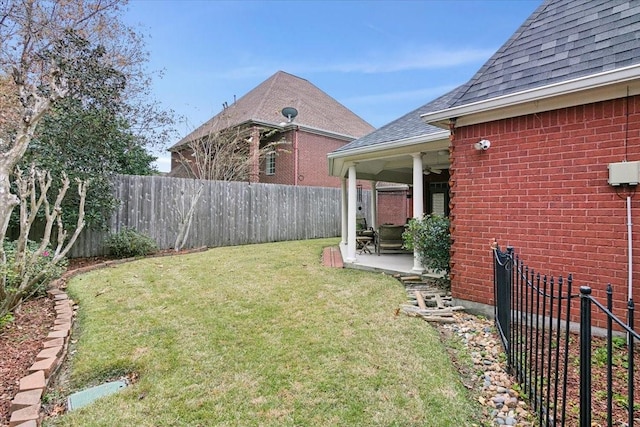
(388, 237)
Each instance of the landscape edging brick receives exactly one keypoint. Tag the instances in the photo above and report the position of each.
(63, 316)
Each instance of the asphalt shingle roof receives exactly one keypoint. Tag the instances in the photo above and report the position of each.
(408, 126)
(264, 104)
(562, 40)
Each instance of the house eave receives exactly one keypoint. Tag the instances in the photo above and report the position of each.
(396, 144)
(339, 161)
(318, 131)
(597, 87)
(279, 126)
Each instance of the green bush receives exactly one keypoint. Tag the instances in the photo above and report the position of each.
(129, 243)
(42, 266)
(431, 238)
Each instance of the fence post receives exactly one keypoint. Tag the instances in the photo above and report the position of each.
(503, 276)
(585, 356)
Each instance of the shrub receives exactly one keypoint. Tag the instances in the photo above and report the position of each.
(130, 243)
(431, 238)
(41, 268)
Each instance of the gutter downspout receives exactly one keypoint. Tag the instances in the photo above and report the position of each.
(629, 249)
(295, 156)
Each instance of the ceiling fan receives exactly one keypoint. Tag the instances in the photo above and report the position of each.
(428, 169)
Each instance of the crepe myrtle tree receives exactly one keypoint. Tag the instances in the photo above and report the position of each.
(228, 154)
(28, 267)
(48, 48)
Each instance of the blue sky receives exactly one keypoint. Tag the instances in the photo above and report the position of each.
(381, 59)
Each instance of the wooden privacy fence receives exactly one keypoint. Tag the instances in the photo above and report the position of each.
(227, 213)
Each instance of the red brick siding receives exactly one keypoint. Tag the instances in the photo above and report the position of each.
(284, 164)
(313, 165)
(393, 207)
(542, 188)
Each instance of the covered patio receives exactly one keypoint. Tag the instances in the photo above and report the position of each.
(383, 263)
(406, 151)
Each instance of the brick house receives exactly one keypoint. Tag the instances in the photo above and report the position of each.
(559, 102)
(321, 125)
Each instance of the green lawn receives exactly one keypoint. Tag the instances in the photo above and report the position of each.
(258, 335)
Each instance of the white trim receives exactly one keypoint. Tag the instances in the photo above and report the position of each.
(270, 164)
(418, 203)
(594, 81)
(351, 215)
(317, 131)
(400, 143)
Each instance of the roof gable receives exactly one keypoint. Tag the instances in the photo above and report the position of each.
(408, 126)
(264, 104)
(562, 40)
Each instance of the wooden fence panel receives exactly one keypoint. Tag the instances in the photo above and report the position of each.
(227, 214)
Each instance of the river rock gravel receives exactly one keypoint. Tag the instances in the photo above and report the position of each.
(495, 389)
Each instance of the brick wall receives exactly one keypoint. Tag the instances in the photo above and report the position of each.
(284, 164)
(542, 188)
(313, 166)
(393, 207)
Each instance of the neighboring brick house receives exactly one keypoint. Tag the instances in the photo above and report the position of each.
(559, 102)
(322, 125)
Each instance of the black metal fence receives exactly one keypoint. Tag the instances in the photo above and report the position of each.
(533, 313)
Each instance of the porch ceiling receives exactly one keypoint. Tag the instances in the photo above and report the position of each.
(394, 164)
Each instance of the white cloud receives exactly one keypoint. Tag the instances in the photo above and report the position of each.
(406, 59)
(410, 60)
(424, 95)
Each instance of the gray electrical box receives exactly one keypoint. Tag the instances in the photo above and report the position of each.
(624, 173)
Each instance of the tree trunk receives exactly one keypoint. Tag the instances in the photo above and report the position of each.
(8, 200)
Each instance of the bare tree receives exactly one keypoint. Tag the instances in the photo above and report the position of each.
(28, 30)
(38, 68)
(20, 276)
(229, 154)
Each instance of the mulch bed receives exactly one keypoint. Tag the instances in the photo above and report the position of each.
(20, 342)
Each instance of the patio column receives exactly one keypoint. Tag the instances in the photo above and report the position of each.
(418, 203)
(343, 214)
(374, 206)
(351, 214)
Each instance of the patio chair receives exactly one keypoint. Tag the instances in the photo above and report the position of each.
(389, 238)
(364, 235)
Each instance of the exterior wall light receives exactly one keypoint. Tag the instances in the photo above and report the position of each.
(482, 145)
